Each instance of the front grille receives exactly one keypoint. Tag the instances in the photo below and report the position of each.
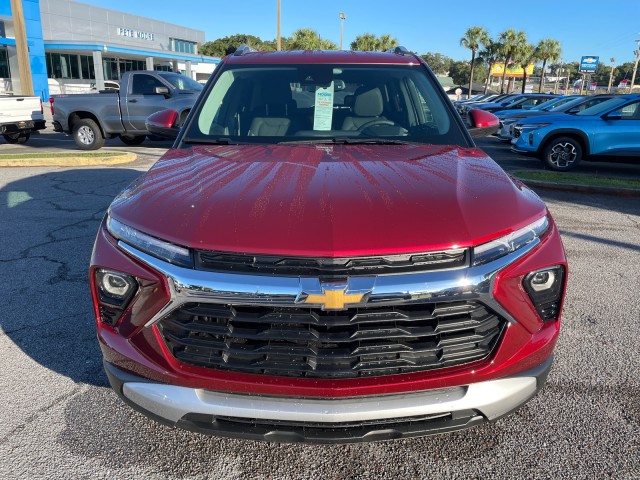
(358, 342)
(327, 267)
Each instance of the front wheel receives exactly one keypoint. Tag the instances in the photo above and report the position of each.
(562, 154)
(87, 134)
(132, 139)
(16, 137)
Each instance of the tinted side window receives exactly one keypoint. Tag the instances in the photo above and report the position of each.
(145, 85)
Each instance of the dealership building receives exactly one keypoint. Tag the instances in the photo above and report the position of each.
(75, 47)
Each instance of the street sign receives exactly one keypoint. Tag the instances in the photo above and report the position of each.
(589, 64)
(593, 86)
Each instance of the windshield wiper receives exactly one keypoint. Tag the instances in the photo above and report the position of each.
(212, 141)
(346, 141)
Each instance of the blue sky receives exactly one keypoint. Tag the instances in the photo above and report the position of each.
(584, 27)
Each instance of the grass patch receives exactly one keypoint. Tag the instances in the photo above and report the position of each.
(26, 156)
(577, 179)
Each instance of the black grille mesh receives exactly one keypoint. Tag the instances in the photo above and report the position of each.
(358, 342)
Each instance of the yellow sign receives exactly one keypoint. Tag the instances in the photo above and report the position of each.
(513, 70)
(334, 299)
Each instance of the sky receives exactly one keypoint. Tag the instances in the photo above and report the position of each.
(584, 27)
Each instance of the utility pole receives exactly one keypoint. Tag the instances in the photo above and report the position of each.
(613, 67)
(279, 39)
(342, 19)
(24, 66)
(635, 68)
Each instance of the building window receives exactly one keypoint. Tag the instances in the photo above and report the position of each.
(4, 64)
(86, 65)
(70, 65)
(163, 68)
(113, 68)
(182, 46)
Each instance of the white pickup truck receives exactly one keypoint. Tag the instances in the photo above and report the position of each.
(19, 116)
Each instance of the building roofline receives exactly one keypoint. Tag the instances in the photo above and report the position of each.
(109, 48)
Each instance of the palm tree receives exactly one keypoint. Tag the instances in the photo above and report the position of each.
(548, 50)
(387, 42)
(510, 41)
(524, 55)
(490, 54)
(472, 39)
(367, 42)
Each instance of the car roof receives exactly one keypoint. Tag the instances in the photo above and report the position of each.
(323, 56)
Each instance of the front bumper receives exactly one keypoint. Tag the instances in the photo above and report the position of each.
(328, 420)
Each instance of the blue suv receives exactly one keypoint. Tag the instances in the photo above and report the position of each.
(608, 130)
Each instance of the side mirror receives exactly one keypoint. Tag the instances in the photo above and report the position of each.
(613, 116)
(163, 123)
(482, 123)
(162, 91)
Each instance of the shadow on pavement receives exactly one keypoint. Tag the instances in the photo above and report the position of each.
(48, 224)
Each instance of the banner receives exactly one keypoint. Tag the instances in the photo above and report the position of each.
(513, 70)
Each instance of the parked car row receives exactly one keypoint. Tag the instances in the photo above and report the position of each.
(564, 130)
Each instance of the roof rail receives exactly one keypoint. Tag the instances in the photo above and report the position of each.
(399, 50)
(242, 50)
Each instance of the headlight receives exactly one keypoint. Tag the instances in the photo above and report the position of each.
(502, 246)
(510, 120)
(169, 252)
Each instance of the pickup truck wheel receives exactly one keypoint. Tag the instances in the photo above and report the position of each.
(562, 154)
(16, 137)
(87, 134)
(132, 139)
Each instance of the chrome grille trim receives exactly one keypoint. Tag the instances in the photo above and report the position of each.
(188, 286)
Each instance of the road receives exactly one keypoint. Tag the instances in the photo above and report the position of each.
(59, 418)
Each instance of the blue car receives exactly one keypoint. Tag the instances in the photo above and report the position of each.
(571, 104)
(608, 130)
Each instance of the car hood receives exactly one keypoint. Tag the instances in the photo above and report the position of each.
(319, 200)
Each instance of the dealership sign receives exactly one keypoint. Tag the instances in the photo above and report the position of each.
(589, 64)
(127, 32)
(513, 70)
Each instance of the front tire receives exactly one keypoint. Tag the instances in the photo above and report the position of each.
(87, 134)
(562, 154)
(132, 140)
(16, 137)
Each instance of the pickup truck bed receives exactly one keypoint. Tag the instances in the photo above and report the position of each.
(19, 116)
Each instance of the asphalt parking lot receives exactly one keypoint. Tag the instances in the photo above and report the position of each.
(59, 418)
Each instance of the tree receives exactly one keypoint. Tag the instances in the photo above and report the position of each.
(548, 50)
(308, 39)
(523, 56)
(510, 40)
(472, 39)
(490, 55)
(440, 64)
(368, 42)
(386, 42)
(459, 72)
(226, 45)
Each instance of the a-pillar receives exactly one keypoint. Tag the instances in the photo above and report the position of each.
(98, 69)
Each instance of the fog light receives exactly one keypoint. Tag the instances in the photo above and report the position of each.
(115, 291)
(545, 289)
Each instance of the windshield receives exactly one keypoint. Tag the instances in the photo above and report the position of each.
(553, 104)
(601, 107)
(320, 103)
(181, 83)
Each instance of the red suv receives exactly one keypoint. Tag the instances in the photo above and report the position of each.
(325, 256)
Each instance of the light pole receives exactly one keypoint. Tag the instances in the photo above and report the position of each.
(635, 68)
(343, 17)
(22, 49)
(278, 38)
(613, 67)
(558, 72)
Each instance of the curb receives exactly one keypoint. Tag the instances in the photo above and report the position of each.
(69, 161)
(572, 187)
